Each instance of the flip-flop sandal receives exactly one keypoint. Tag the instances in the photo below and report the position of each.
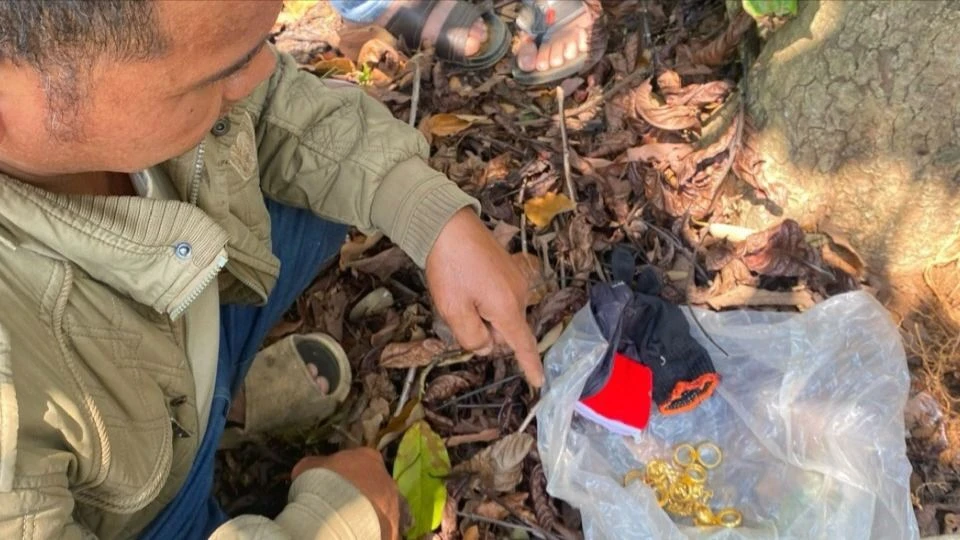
(543, 19)
(279, 391)
(408, 22)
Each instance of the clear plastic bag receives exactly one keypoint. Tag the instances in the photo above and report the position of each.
(808, 414)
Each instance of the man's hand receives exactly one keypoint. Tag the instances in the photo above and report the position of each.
(364, 468)
(481, 293)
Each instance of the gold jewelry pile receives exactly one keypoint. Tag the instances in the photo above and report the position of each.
(681, 486)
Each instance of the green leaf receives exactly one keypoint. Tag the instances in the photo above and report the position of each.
(420, 469)
(761, 8)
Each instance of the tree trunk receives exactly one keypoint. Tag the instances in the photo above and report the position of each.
(857, 107)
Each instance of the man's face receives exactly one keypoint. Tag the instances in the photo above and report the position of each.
(137, 114)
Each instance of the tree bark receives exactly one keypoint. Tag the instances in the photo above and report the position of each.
(857, 106)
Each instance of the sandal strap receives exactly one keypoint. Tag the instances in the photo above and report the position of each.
(408, 22)
(541, 18)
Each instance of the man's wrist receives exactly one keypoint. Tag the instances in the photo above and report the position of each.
(414, 203)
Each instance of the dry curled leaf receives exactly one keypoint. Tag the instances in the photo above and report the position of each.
(532, 270)
(664, 116)
(334, 66)
(355, 247)
(542, 504)
(556, 307)
(839, 252)
(445, 124)
(718, 51)
(383, 264)
(451, 384)
(541, 210)
(499, 466)
(413, 354)
(781, 250)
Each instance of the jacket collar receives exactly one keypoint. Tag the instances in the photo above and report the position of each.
(160, 253)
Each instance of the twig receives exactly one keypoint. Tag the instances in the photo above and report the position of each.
(745, 295)
(415, 97)
(523, 215)
(506, 524)
(530, 416)
(566, 148)
(486, 435)
(405, 395)
(482, 389)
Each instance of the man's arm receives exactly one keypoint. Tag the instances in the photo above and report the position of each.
(343, 155)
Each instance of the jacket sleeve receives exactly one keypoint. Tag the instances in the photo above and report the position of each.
(35, 500)
(340, 153)
(321, 505)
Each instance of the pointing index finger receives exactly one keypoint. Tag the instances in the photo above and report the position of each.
(515, 331)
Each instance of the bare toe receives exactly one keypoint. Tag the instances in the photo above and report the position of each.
(543, 58)
(527, 56)
(323, 385)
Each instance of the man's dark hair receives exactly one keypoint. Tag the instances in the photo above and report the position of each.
(62, 38)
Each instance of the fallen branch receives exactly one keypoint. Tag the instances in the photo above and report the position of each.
(566, 149)
(747, 296)
(486, 435)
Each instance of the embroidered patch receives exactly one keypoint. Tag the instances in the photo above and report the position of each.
(9, 417)
(243, 153)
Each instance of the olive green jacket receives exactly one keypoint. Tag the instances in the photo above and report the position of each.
(94, 362)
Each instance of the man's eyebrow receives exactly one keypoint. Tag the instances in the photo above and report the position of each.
(233, 68)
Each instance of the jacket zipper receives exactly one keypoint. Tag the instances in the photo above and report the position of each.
(206, 276)
(195, 288)
(197, 173)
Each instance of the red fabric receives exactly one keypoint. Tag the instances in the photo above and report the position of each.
(628, 395)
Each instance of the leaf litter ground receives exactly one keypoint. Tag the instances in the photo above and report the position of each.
(654, 146)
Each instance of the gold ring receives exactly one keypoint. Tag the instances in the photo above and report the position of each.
(696, 473)
(662, 496)
(704, 517)
(707, 449)
(685, 455)
(632, 476)
(729, 517)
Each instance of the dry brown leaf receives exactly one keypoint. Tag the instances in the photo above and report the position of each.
(839, 252)
(532, 270)
(491, 510)
(378, 50)
(550, 338)
(542, 504)
(556, 307)
(576, 244)
(664, 116)
(472, 533)
(446, 386)
(718, 51)
(354, 248)
(445, 124)
(328, 308)
(372, 418)
(499, 466)
(496, 170)
(411, 413)
(387, 332)
(334, 66)
(541, 210)
(413, 354)
(383, 264)
(781, 250)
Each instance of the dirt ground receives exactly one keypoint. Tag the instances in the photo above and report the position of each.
(638, 164)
